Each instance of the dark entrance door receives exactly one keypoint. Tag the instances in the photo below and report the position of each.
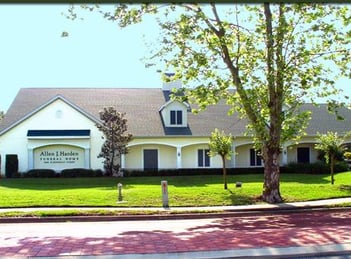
(303, 155)
(150, 159)
(11, 165)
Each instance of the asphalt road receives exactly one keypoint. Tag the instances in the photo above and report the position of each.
(237, 235)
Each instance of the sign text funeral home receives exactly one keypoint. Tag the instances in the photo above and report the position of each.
(58, 157)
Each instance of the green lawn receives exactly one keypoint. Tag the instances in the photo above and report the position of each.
(146, 191)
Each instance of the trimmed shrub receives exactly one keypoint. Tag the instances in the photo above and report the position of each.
(170, 172)
(192, 171)
(80, 172)
(42, 173)
(341, 166)
(318, 167)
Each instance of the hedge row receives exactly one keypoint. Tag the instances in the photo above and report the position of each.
(314, 168)
(75, 172)
(303, 168)
(191, 171)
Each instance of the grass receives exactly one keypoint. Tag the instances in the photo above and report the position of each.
(146, 191)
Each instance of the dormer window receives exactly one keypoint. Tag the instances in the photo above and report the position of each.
(174, 114)
(176, 117)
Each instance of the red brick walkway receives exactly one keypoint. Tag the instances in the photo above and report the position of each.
(101, 238)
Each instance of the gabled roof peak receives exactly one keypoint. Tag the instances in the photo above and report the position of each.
(186, 105)
(42, 106)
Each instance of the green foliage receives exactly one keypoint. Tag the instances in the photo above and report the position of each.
(220, 144)
(318, 167)
(330, 144)
(114, 128)
(47, 173)
(347, 155)
(71, 172)
(339, 155)
(192, 171)
(80, 172)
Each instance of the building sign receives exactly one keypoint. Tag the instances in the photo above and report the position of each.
(58, 157)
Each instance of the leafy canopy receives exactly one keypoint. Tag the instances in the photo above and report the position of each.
(330, 144)
(220, 144)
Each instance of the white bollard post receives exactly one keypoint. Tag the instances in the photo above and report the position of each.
(164, 187)
(119, 187)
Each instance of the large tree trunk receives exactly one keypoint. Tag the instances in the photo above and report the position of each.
(271, 185)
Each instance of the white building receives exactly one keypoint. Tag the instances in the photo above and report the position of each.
(54, 128)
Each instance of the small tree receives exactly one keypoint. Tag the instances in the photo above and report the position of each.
(330, 145)
(221, 144)
(114, 128)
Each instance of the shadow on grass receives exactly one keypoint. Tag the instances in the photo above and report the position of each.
(345, 188)
(238, 198)
(205, 180)
(305, 178)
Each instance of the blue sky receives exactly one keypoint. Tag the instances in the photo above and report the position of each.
(97, 52)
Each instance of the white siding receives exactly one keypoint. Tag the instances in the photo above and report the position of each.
(56, 116)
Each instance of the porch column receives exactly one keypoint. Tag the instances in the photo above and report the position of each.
(123, 161)
(233, 164)
(285, 155)
(30, 159)
(179, 157)
(87, 158)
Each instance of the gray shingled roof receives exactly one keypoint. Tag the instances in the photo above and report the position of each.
(323, 121)
(141, 106)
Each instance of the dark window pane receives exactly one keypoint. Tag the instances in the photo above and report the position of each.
(173, 117)
(179, 118)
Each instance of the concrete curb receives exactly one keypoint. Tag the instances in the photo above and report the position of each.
(262, 253)
(190, 214)
(320, 251)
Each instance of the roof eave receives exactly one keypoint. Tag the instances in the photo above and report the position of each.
(39, 108)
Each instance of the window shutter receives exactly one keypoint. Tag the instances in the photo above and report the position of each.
(259, 159)
(252, 157)
(200, 158)
(207, 157)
